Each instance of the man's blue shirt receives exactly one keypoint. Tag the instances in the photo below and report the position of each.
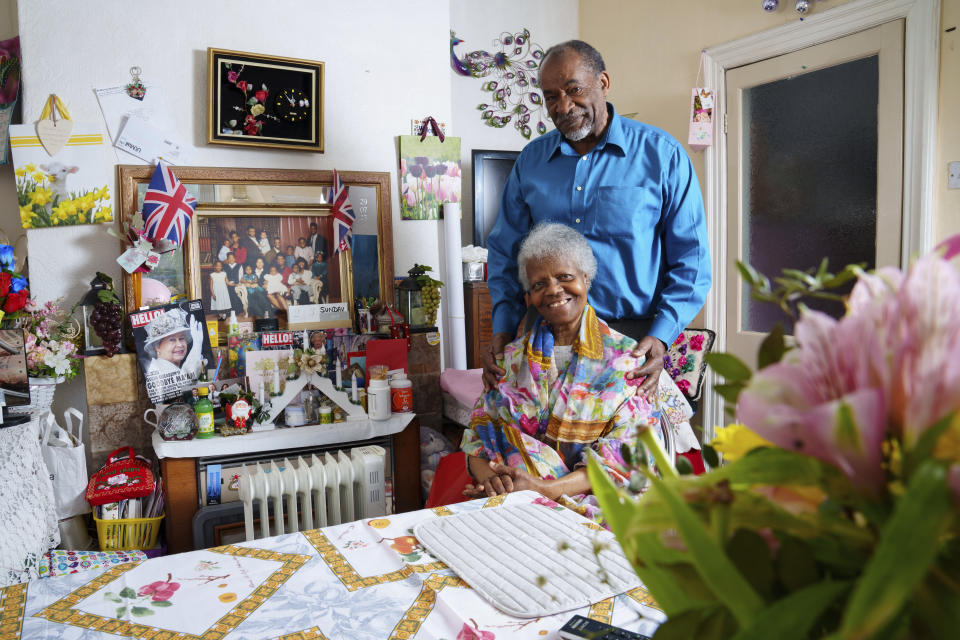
(636, 199)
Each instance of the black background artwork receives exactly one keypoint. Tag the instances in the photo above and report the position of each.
(265, 101)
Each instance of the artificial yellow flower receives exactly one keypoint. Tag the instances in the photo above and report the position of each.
(39, 176)
(59, 213)
(86, 202)
(256, 109)
(41, 197)
(20, 172)
(107, 213)
(736, 440)
(69, 207)
(102, 194)
(26, 213)
(29, 167)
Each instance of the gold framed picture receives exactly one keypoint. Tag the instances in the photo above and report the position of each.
(264, 101)
(259, 263)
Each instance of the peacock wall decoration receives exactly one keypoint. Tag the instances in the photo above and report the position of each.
(515, 86)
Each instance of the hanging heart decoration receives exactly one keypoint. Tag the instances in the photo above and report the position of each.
(54, 131)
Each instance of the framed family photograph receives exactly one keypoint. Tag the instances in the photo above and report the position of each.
(264, 101)
(258, 265)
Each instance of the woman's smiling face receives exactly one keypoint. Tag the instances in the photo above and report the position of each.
(173, 348)
(558, 290)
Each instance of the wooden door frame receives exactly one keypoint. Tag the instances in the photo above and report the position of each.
(921, 75)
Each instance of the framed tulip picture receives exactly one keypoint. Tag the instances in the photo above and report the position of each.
(264, 101)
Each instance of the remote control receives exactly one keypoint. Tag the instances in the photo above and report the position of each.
(580, 628)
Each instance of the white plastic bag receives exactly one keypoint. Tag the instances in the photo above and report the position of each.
(65, 457)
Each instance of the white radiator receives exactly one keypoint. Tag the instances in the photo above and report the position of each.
(332, 488)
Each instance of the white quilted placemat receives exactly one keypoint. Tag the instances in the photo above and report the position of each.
(529, 560)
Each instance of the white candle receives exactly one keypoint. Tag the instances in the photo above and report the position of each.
(260, 394)
(339, 375)
(323, 348)
(276, 378)
(306, 342)
(354, 395)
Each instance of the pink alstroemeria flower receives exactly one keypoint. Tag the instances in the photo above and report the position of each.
(891, 364)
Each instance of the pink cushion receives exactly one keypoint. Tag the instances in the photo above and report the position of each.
(465, 386)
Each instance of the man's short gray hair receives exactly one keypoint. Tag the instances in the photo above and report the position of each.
(552, 240)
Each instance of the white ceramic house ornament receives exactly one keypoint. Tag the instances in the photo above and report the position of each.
(291, 392)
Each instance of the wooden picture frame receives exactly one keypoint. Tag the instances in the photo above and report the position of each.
(244, 193)
(264, 101)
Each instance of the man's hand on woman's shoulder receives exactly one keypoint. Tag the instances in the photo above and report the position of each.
(494, 351)
(653, 350)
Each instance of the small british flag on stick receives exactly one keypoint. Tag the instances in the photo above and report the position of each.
(343, 215)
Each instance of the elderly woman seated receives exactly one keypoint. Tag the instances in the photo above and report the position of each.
(565, 392)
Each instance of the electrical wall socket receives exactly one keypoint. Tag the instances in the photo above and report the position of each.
(953, 181)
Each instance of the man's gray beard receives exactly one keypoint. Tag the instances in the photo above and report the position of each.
(579, 134)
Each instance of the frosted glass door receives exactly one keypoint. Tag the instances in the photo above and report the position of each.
(814, 168)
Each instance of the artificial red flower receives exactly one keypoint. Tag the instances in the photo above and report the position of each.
(232, 76)
(261, 95)
(16, 301)
(250, 119)
(251, 129)
(243, 85)
(5, 278)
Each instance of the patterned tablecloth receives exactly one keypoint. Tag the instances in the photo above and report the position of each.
(365, 579)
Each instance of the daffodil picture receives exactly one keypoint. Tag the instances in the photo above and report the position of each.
(69, 188)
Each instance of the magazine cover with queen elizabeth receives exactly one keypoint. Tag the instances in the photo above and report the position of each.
(173, 348)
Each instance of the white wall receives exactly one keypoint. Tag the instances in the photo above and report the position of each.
(478, 24)
(385, 63)
(9, 213)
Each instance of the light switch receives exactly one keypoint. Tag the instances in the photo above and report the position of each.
(954, 180)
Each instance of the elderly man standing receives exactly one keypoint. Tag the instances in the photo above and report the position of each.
(629, 188)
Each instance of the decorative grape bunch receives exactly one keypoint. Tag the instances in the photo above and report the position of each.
(429, 294)
(106, 317)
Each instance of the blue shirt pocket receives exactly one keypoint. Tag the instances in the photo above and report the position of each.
(627, 211)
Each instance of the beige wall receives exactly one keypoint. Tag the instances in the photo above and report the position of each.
(652, 51)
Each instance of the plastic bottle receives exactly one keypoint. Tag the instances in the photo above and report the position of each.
(233, 327)
(378, 399)
(401, 394)
(204, 411)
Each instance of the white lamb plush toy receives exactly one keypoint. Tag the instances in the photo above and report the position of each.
(58, 173)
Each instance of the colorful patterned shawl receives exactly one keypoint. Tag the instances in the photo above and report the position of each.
(547, 429)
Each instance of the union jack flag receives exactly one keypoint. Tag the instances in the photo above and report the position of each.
(167, 207)
(343, 215)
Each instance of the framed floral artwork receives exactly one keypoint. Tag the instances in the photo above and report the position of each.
(264, 101)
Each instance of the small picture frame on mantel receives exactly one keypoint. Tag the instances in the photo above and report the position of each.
(264, 101)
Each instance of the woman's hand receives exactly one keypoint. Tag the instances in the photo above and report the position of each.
(495, 479)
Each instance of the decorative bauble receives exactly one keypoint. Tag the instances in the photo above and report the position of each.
(770, 5)
(178, 422)
(802, 7)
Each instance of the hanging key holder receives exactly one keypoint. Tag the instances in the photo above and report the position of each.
(136, 89)
(54, 126)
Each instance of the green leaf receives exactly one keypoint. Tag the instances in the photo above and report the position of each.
(729, 392)
(908, 545)
(684, 467)
(751, 556)
(773, 466)
(127, 592)
(161, 603)
(141, 611)
(802, 276)
(121, 611)
(792, 617)
(713, 565)
(710, 456)
(680, 627)
(112, 597)
(729, 366)
(795, 565)
(772, 348)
